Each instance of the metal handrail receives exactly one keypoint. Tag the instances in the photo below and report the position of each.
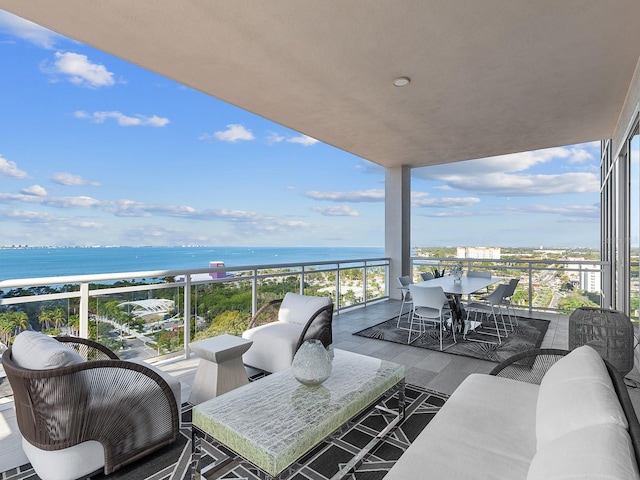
(530, 266)
(189, 279)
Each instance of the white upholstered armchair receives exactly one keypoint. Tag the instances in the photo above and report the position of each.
(281, 326)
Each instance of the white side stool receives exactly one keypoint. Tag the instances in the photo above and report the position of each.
(220, 369)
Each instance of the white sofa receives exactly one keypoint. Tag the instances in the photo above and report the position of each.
(578, 423)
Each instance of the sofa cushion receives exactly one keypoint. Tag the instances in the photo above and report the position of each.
(273, 345)
(596, 452)
(72, 462)
(37, 351)
(485, 430)
(298, 309)
(575, 393)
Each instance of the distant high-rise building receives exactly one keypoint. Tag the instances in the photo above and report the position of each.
(590, 278)
(485, 253)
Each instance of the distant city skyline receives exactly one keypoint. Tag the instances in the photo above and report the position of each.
(97, 151)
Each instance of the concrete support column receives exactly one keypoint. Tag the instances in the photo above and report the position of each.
(397, 224)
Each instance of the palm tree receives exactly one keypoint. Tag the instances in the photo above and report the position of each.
(10, 325)
(45, 317)
(20, 322)
(58, 317)
(74, 324)
(6, 327)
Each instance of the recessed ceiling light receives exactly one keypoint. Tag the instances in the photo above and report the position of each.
(402, 81)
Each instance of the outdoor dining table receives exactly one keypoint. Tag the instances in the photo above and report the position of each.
(456, 289)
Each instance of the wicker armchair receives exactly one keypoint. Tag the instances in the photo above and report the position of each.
(281, 326)
(128, 408)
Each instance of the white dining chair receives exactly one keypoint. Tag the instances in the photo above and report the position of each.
(430, 304)
(506, 301)
(478, 274)
(404, 282)
(489, 305)
(425, 276)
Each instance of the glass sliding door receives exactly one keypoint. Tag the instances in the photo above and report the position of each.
(634, 177)
(608, 224)
(620, 223)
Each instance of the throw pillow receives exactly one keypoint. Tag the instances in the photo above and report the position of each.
(575, 393)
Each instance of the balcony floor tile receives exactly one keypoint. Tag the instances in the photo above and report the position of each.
(434, 370)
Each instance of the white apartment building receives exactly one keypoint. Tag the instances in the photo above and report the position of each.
(590, 278)
(485, 253)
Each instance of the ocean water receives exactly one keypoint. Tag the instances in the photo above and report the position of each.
(51, 262)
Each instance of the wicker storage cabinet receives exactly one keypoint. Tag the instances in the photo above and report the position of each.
(608, 331)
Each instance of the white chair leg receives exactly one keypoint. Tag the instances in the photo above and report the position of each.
(482, 325)
(400, 314)
(411, 321)
(495, 322)
(512, 315)
(506, 306)
(504, 325)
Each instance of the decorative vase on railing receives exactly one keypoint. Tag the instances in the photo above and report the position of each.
(311, 363)
(456, 271)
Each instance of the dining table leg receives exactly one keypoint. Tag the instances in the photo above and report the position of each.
(455, 304)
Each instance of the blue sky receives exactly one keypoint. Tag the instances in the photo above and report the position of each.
(96, 151)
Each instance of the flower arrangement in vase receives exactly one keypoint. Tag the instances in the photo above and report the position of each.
(438, 273)
(456, 271)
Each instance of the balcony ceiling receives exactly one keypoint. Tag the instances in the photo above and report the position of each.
(487, 77)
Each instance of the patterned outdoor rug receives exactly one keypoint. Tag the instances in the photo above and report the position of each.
(172, 462)
(527, 335)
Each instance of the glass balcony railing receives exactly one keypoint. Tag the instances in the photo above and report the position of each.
(155, 315)
(158, 313)
(557, 286)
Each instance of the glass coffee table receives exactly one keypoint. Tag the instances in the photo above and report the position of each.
(272, 422)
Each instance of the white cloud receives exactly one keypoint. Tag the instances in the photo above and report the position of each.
(273, 137)
(504, 175)
(79, 70)
(26, 216)
(515, 162)
(569, 213)
(69, 179)
(27, 30)
(36, 190)
(445, 202)
(340, 211)
(445, 213)
(580, 211)
(303, 140)
(232, 134)
(580, 155)
(130, 208)
(526, 185)
(245, 222)
(66, 202)
(53, 221)
(123, 120)
(373, 195)
(57, 202)
(10, 169)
